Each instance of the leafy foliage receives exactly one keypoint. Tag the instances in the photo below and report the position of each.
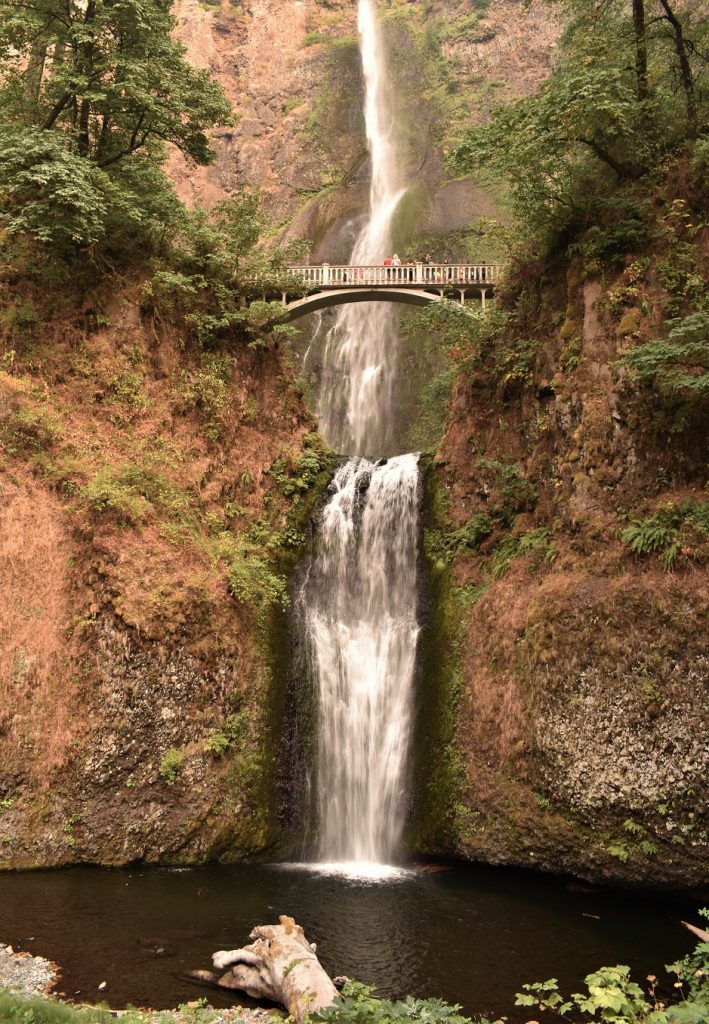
(359, 1005)
(465, 331)
(171, 765)
(536, 543)
(669, 531)
(678, 364)
(213, 264)
(612, 996)
(50, 192)
(107, 78)
(253, 580)
(90, 92)
(610, 112)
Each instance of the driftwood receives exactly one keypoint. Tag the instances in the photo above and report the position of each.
(279, 965)
(699, 932)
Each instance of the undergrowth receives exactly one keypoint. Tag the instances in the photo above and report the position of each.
(673, 530)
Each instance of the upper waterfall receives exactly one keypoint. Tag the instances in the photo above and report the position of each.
(355, 407)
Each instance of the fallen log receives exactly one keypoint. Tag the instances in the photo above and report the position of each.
(279, 965)
(699, 932)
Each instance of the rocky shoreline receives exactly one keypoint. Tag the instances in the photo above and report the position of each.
(27, 975)
(23, 974)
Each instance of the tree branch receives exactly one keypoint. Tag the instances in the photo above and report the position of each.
(57, 109)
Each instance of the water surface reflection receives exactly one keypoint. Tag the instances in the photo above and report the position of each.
(470, 935)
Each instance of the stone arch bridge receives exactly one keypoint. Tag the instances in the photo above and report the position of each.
(417, 284)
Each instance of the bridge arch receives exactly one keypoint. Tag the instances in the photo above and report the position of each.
(340, 296)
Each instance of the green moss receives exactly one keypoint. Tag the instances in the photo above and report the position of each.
(439, 818)
(629, 325)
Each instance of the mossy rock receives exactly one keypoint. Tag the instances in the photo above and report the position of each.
(629, 325)
(570, 329)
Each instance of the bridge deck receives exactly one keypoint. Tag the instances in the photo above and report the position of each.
(415, 275)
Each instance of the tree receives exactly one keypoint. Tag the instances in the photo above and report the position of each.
(88, 86)
(108, 74)
(214, 263)
(609, 113)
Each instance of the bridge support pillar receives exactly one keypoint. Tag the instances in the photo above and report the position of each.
(462, 296)
(482, 296)
(419, 273)
(326, 273)
(284, 299)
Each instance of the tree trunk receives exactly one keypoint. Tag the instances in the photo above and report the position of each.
(86, 50)
(685, 69)
(279, 965)
(33, 80)
(640, 49)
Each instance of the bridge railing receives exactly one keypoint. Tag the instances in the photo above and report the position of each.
(422, 274)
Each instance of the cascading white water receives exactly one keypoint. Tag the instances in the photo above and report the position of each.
(359, 362)
(360, 595)
(361, 624)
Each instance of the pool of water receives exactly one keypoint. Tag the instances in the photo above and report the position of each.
(471, 935)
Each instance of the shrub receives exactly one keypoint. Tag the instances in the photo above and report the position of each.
(612, 996)
(536, 543)
(108, 492)
(220, 740)
(255, 582)
(207, 388)
(28, 430)
(678, 364)
(359, 1005)
(171, 765)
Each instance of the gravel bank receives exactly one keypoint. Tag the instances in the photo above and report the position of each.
(26, 974)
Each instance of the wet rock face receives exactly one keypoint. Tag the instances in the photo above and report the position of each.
(291, 69)
(141, 781)
(624, 749)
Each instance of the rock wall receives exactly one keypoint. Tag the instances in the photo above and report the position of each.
(143, 530)
(291, 69)
(578, 670)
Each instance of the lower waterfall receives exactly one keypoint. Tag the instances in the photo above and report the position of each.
(360, 609)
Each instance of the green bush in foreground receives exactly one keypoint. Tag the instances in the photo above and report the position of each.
(21, 1010)
(359, 1005)
(612, 996)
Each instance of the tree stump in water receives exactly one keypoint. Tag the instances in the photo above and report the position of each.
(279, 965)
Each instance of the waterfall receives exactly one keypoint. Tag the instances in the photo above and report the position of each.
(359, 362)
(359, 600)
(361, 625)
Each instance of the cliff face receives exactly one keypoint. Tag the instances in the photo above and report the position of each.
(581, 678)
(291, 69)
(144, 523)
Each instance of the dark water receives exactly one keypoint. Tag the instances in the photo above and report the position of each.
(471, 935)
